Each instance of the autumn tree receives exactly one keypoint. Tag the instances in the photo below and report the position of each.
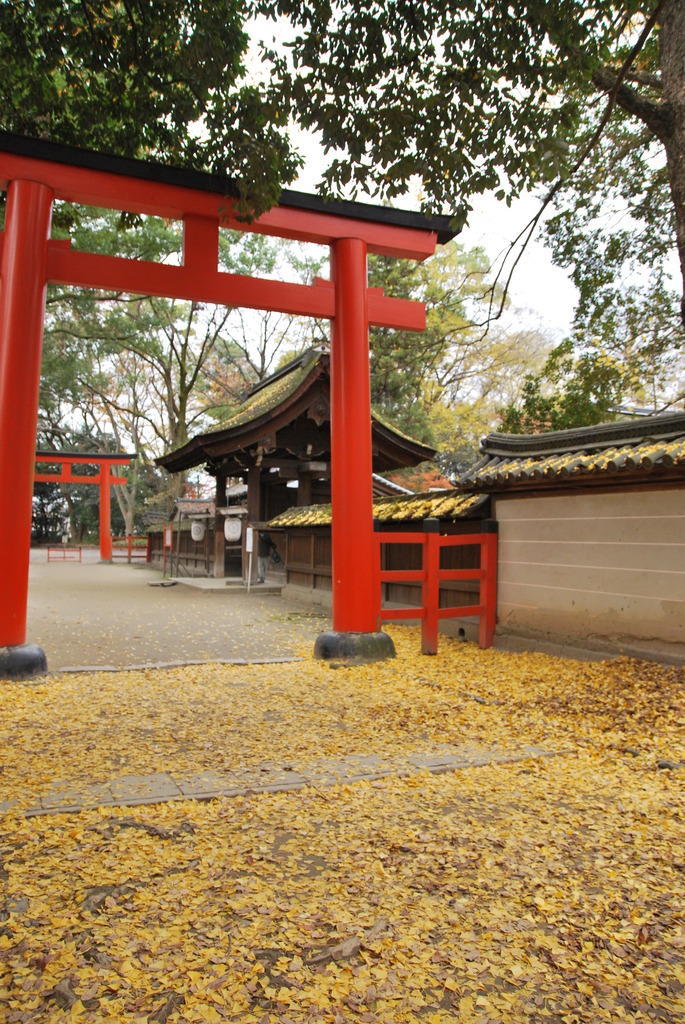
(444, 385)
(570, 391)
(633, 362)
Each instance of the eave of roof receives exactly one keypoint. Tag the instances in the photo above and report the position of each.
(390, 486)
(419, 451)
(202, 181)
(605, 435)
(611, 453)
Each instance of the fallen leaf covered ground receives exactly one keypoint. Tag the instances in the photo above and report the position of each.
(547, 889)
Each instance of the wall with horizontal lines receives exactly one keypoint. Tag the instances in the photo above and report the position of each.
(594, 565)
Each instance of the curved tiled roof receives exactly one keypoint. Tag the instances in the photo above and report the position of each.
(610, 452)
(270, 404)
(449, 505)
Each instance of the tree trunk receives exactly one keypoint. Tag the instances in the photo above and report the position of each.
(75, 529)
(175, 485)
(126, 500)
(672, 48)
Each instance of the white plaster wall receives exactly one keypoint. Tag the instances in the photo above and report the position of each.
(609, 565)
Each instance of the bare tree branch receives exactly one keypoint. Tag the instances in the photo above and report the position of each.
(524, 236)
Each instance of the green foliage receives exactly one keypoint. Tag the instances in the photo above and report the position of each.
(615, 220)
(409, 371)
(628, 341)
(253, 344)
(49, 511)
(581, 103)
(569, 392)
(142, 78)
(464, 98)
(614, 232)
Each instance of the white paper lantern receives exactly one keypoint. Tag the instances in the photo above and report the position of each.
(232, 529)
(197, 530)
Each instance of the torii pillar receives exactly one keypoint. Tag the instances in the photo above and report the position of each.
(355, 634)
(23, 285)
(103, 479)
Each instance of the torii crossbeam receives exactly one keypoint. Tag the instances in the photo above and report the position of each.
(35, 174)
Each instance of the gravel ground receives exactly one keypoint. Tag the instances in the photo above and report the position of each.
(91, 614)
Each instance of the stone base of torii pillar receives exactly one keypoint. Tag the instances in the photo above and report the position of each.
(354, 648)
(25, 661)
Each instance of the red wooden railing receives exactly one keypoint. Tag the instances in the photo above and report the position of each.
(131, 547)
(430, 575)
(64, 554)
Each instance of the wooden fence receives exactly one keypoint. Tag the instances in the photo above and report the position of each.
(131, 548)
(430, 543)
(64, 554)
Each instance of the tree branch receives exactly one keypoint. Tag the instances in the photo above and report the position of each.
(653, 81)
(656, 115)
(524, 236)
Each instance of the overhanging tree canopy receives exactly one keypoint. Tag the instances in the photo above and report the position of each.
(139, 78)
(468, 98)
(463, 98)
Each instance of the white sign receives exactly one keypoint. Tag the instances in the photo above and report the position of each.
(248, 539)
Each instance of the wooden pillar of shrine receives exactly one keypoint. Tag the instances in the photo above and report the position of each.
(219, 538)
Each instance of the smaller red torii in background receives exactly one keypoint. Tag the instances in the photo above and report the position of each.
(103, 478)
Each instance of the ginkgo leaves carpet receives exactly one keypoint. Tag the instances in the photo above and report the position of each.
(548, 889)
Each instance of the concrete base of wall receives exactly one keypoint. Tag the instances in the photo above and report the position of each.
(590, 648)
(312, 598)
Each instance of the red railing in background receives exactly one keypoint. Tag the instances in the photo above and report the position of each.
(431, 576)
(131, 547)
(64, 554)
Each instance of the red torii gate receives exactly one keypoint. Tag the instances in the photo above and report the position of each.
(36, 174)
(103, 478)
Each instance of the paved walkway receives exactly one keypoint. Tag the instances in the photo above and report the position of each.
(109, 616)
(160, 787)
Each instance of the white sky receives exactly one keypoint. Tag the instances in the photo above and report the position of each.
(543, 294)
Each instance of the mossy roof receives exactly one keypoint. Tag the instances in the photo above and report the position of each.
(271, 393)
(275, 399)
(445, 505)
(653, 447)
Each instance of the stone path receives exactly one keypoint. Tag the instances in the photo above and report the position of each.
(72, 796)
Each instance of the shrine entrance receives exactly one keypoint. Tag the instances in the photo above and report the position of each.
(35, 174)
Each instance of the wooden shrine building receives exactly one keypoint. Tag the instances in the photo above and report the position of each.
(279, 441)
